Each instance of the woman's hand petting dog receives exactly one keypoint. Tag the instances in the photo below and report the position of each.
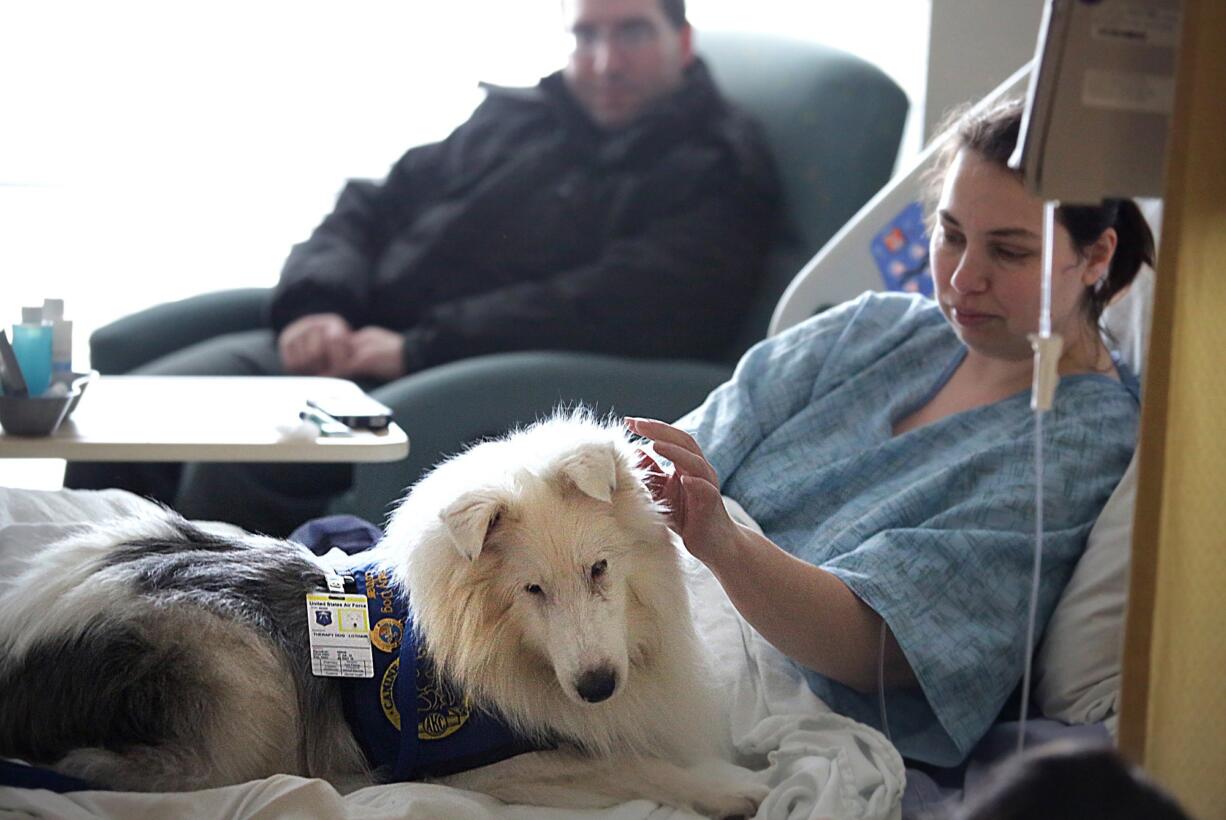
(690, 491)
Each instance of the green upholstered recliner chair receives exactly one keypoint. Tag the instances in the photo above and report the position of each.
(833, 122)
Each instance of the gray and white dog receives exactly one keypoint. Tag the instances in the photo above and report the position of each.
(141, 654)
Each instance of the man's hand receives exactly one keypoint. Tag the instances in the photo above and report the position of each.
(691, 492)
(373, 353)
(323, 344)
(314, 344)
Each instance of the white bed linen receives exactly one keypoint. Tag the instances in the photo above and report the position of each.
(818, 764)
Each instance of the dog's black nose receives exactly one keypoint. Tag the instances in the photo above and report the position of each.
(596, 685)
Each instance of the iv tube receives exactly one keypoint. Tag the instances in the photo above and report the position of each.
(1049, 225)
(1046, 358)
(1034, 581)
(885, 723)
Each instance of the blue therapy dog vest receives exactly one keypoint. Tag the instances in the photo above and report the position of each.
(409, 722)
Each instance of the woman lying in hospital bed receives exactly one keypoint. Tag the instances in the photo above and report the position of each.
(885, 449)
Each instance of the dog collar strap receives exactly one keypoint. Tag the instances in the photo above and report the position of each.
(340, 584)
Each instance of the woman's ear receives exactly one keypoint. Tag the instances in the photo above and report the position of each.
(1098, 257)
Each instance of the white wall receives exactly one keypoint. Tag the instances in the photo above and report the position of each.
(973, 46)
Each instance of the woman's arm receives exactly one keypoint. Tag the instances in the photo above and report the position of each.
(805, 612)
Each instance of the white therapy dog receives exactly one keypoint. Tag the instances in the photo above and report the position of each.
(148, 654)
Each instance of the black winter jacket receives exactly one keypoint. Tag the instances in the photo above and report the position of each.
(531, 228)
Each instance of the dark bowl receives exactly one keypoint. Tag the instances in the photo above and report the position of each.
(33, 416)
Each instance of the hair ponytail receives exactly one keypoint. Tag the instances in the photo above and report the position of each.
(1134, 249)
(1134, 246)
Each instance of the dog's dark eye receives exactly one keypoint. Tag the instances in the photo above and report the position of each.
(535, 589)
(598, 568)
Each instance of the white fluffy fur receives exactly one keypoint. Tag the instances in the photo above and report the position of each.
(543, 507)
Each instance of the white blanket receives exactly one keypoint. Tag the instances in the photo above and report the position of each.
(818, 764)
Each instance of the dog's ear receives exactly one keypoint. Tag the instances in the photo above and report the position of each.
(468, 520)
(593, 470)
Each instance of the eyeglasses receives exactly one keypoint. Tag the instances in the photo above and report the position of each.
(627, 36)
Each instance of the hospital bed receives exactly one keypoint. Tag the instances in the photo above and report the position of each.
(1077, 673)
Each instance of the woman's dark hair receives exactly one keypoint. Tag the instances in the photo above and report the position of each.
(992, 134)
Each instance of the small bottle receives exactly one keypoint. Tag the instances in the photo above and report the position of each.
(61, 338)
(32, 346)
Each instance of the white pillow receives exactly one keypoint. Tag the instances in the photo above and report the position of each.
(1077, 669)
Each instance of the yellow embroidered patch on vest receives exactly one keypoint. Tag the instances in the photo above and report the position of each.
(441, 711)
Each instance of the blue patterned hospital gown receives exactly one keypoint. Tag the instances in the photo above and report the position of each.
(934, 528)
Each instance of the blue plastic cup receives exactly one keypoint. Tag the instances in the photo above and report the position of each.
(32, 346)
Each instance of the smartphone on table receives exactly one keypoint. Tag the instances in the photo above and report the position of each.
(357, 410)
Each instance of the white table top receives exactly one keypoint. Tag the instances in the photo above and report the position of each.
(197, 418)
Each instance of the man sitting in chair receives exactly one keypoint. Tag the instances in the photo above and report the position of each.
(573, 215)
